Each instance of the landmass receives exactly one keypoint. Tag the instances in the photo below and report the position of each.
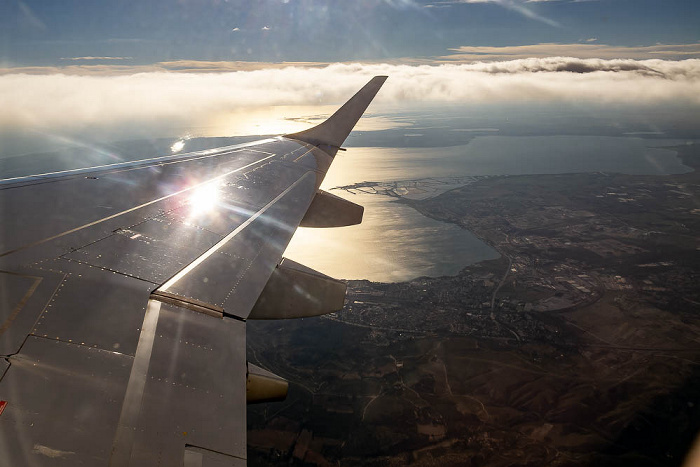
(580, 345)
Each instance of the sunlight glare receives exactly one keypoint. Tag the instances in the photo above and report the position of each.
(204, 198)
(177, 146)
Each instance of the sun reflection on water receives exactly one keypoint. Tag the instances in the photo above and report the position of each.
(275, 121)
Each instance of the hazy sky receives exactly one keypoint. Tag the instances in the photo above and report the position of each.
(165, 68)
(51, 32)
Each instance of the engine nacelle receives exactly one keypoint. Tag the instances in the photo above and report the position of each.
(263, 386)
(295, 291)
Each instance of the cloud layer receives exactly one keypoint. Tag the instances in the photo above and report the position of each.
(168, 99)
(587, 50)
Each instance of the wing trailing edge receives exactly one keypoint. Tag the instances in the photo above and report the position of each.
(333, 131)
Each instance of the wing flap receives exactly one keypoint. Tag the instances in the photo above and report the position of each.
(187, 388)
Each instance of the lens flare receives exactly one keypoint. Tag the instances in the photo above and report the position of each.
(204, 199)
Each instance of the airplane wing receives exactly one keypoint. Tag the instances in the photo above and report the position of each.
(125, 291)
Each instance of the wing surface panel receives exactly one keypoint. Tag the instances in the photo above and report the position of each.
(23, 296)
(82, 401)
(192, 391)
(94, 307)
(247, 256)
(110, 200)
(152, 251)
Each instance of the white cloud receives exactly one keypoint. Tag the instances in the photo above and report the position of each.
(189, 100)
(588, 50)
(95, 58)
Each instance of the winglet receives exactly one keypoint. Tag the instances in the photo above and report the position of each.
(333, 131)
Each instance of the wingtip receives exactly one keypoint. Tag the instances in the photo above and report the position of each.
(336, 128)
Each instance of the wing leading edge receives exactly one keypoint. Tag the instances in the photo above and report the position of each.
(126, 290)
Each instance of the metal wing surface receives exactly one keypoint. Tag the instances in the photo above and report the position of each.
(125, 290)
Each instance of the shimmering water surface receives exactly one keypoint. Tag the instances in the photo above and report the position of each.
(395, 243)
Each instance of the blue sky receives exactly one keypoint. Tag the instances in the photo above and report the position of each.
(41, 33)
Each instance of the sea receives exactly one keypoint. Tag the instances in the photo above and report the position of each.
(393, 144)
